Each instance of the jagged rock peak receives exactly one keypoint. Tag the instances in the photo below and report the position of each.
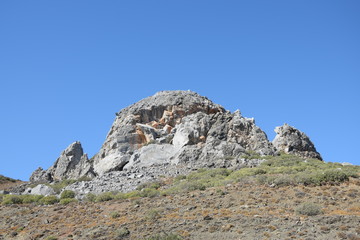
(71, 164)
(292, 141)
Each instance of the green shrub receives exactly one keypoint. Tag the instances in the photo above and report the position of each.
(132, 194)
(49, 200)
(12, 199)
(335, 175)
(122, 233)
(165, 236)
(149, 192)
(103, 197)
(58, 186)
(114, 215)
(66, 201)
(67, 194)
(32, 198)
(152, 214)
(154, 185)
(90, 197)
(179, 178)
(309, 209)
(51, 238)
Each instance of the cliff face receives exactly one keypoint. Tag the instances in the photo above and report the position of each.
(174, 132)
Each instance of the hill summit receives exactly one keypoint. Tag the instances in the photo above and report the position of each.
(170, 133)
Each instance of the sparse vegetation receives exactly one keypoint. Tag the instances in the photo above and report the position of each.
(66, 201)
(153, 214)
(59, 186)
(114, 215)
(67, 194)
(51, 238)
(309, 209)
(12, 199)
(4, 179)
(282, 170)
(165, 236)
(122, 233)
(31, 198)
(90, 197)
(107, 196)
(49, 200)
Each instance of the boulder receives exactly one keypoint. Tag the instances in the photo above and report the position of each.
(40, 189)
(292, 141)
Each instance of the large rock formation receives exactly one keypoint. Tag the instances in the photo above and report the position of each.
(170, 133)
(292, 141)
(72, 164)
(177, 127)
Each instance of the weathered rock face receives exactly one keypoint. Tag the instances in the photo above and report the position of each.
(190, 129)
(292, 141)
(72, 164)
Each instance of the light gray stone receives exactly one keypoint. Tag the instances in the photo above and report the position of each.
(150, 155)
(41, 189)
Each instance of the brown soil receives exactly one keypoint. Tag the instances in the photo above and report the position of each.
(237, 211)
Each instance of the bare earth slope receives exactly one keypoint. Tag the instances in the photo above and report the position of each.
(236, 211)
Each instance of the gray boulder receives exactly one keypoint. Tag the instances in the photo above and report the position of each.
(40, 189)
(292, 141)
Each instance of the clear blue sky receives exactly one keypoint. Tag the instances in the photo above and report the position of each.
(67, 66)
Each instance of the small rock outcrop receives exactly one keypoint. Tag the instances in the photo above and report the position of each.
(292, 141)
(72, 164)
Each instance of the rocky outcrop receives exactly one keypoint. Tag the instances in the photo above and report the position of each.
(171, 133)
(190, 129)
(292, 141)
(72, 164)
